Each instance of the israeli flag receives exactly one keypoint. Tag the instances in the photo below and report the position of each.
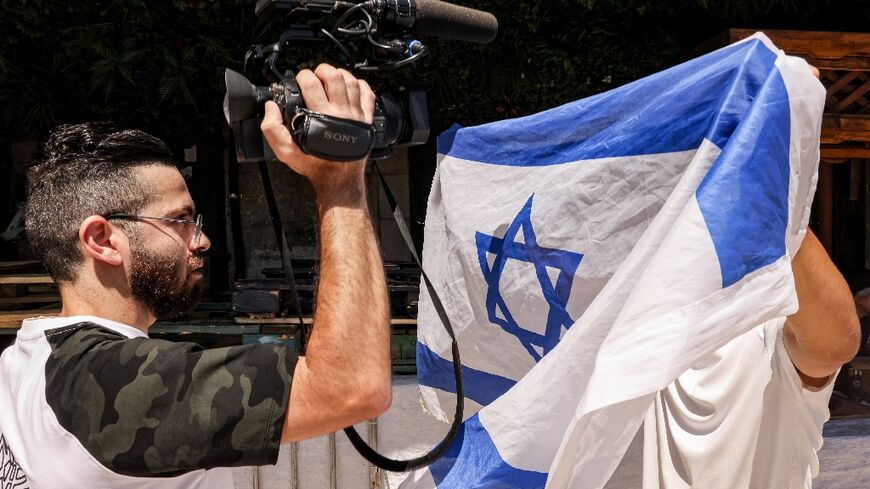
(589, 254)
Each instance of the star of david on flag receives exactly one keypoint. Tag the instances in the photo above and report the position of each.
(547, 261)
(590, 254)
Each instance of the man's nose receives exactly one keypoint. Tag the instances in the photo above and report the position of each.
(204, 243)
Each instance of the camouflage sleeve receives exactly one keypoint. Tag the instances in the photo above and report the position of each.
(147, 407)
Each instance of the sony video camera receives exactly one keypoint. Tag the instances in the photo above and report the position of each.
(370, 35)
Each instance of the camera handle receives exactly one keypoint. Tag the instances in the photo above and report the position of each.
(331, 138)
(361, 446)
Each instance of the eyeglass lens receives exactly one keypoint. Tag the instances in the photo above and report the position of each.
(197, 233)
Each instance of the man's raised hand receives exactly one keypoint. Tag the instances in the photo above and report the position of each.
(331, 91)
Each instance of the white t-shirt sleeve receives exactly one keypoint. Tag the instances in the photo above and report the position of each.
(794, 415)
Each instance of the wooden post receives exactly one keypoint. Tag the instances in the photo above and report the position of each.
(825, 206)
(294, 465)
(374, 472)
(333, 463)
(866, 215)
(856, 173)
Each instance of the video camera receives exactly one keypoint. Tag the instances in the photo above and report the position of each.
(371, 35)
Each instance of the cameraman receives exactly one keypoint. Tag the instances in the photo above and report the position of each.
(112, 219)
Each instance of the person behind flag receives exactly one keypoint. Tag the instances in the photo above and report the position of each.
(112, 219)
(638, 261)
(750, 415)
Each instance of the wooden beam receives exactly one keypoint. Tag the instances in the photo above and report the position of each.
(840, 155)
(25, 279)
(29, 299)
(13, 319)
(824, 50)
(14, 266)
(839, 128)
(824, 207)
(849, 63)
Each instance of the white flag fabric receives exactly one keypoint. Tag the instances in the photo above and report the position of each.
(589, 254)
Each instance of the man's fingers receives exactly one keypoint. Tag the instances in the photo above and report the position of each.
(353, 91)
(367, 101)
(276, 132)
(336, 92)
(336, 89)
(312, 90)
(330, 91)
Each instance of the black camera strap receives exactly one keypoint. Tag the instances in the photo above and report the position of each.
(286, 262)
(361, 446)
(366, 451)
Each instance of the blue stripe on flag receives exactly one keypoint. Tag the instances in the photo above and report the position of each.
(473, 461)
(445, 140)
(670, 111)
(479, 386)
(744, 196)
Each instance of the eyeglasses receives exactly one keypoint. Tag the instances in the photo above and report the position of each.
(197, 233)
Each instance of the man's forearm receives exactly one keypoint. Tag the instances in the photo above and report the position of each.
(824, 333)
(352, 310)
(347, 365)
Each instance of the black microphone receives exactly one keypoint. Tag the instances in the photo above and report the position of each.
(442, 19)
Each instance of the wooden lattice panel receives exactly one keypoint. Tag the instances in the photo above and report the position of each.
(848, 91)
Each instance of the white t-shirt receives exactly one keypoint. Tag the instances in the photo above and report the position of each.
(90, 403)
(739, 419)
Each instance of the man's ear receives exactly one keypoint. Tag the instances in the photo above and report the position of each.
(100, 241)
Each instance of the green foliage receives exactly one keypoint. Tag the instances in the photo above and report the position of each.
(546, 54)
(156, 65)
(159, 65)
(553, 52)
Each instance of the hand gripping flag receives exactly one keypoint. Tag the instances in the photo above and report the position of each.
(589, 254)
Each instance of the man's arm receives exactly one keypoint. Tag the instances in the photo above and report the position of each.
(824, 333)
(344, 378)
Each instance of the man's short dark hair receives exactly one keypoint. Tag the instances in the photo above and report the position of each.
(88, 169)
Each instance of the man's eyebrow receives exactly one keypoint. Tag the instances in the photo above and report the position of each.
(187, 209)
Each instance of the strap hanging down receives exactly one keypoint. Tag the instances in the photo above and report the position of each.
(286, 264)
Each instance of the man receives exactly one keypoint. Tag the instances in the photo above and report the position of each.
(88, 400)
(750, 415)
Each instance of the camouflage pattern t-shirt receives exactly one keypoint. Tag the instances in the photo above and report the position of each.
(87, 402)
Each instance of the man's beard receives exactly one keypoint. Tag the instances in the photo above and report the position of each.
(161, 284)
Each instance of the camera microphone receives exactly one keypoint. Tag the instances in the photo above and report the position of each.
(446, 20)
